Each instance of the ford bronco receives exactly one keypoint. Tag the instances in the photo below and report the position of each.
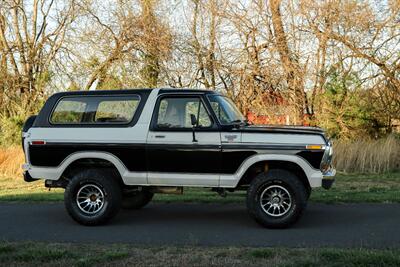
(113, 149)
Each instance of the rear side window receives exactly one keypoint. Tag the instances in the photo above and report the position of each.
(95, 110)
(69, 111)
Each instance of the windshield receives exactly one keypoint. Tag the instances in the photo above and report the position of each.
(225, 110)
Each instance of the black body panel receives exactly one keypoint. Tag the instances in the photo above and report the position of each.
(164, 158)
(183, 158)
(312, 157)
(52, 154)
(233, 155)
(233, 158)
(169, 157)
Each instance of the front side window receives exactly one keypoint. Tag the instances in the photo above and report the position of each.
(225, 109)
(95, 110)
(174, 112)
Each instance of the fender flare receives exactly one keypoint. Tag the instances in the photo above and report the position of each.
(55, 173)
(314, 176)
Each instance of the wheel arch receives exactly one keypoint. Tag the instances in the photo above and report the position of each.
(263, 163)
(266, 165)
(84, 160)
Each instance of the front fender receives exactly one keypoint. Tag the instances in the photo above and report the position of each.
(314, 176)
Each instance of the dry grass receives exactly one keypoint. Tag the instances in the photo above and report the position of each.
(11, 159)
(367, 156)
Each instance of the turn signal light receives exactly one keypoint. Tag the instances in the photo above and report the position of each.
(314, 147)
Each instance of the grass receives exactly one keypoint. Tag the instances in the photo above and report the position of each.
(348, 188)
(357, 188)
(367, 155)
(46, 254)
(11, 159)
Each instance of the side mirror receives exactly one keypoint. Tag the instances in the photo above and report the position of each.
(193, 120)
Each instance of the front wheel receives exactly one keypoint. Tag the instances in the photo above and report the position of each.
(93, 197)
(276, 199)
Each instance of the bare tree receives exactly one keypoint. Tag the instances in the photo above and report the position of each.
(31, 36)
(293, 70)
(367, 37)
(155, 43)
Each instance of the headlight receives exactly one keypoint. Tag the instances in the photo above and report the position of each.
(327, 158)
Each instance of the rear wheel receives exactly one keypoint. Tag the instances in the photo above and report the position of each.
(93, 197)
(276, 199)
(137, 199)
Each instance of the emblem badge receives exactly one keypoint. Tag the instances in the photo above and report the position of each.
(231, 137)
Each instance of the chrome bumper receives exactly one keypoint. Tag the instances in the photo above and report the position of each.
(331, 172)
(328, 178)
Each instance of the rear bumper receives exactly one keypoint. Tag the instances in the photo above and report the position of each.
(28, 177)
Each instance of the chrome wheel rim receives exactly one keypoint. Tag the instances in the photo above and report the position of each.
(90, 199)
(275, 200)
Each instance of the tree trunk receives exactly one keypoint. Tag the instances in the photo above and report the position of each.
(291, 67)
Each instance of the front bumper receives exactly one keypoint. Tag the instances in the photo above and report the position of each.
(328, 178)
(327, 182)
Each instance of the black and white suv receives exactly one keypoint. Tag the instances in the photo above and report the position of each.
(112, 149)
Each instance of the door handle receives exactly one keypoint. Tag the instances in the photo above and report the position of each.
(159, 136)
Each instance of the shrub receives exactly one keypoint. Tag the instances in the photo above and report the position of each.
(10, 130)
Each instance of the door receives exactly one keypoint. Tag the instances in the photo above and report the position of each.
(174, 155)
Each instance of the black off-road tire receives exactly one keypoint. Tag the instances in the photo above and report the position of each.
(281, 178)
(103, 180)
(136, 200)
(309, 191)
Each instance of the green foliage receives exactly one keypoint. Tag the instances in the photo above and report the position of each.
(150, 70)
(110, 82)
(43, 79)
(13, 114)
(10, 129)
(344, 111)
